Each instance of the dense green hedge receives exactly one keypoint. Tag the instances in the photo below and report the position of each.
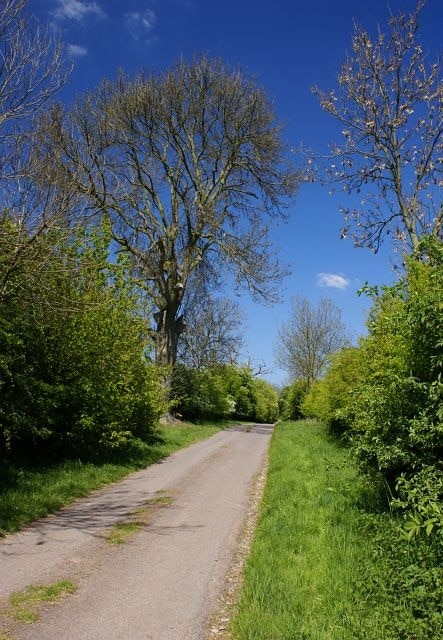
(291, 398)
(223, 391)
(74, 379)
(386, 396)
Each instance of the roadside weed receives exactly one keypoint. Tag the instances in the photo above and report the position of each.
(122, 531)
(24, 604)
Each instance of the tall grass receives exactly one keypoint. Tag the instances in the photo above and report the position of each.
(30, 493)
(317, 568)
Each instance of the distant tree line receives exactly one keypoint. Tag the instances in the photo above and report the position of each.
(224, 391)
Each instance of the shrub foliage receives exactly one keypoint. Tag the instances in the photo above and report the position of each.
(74, 376)
(223, 391)
(386, 395)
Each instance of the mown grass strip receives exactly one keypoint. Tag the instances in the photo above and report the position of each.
(304, 579)
(27, 494)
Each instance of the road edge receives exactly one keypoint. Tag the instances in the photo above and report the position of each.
(219, 621)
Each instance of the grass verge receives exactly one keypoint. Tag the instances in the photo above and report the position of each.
(327, 563)
(30, 493)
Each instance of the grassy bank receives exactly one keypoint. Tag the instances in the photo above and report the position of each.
(328, 562)
(30, 493)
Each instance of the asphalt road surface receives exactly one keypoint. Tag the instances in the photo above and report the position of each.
(164, 581)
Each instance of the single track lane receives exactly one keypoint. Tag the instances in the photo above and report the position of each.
(163, 583)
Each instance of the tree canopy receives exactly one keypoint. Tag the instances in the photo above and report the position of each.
(188, 164)
(309, 337)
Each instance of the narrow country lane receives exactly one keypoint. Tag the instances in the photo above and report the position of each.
(164, 581)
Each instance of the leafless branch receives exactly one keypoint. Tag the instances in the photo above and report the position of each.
(390, 104)
(309, 337)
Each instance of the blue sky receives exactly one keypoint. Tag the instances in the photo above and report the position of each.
(288, 46)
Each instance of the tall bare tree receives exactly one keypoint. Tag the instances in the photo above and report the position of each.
(390, 104)
(32, 70)
(213, 331)
(188, 164)
(309, 337)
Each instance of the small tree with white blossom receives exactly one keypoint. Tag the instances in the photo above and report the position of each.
(390, 104)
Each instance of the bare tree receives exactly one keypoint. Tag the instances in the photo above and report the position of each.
(213, 331)
(32, 70)
(188, 164)
(309, 337)
(390, 104)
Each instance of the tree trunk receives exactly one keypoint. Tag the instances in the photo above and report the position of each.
(168, 330)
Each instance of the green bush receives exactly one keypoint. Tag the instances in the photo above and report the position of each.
(201, 394)
(266, 402)
(74, 378)
(330, 399)
(291, 399)
(420, 498)
(386, 396)
(398, 415)
(403, 583)
(221, 391)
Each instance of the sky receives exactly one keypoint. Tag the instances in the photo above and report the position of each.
(288, 46)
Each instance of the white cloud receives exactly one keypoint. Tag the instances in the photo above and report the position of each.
(76, 50)
(76, 10)
(140, 24)
(335, 280)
